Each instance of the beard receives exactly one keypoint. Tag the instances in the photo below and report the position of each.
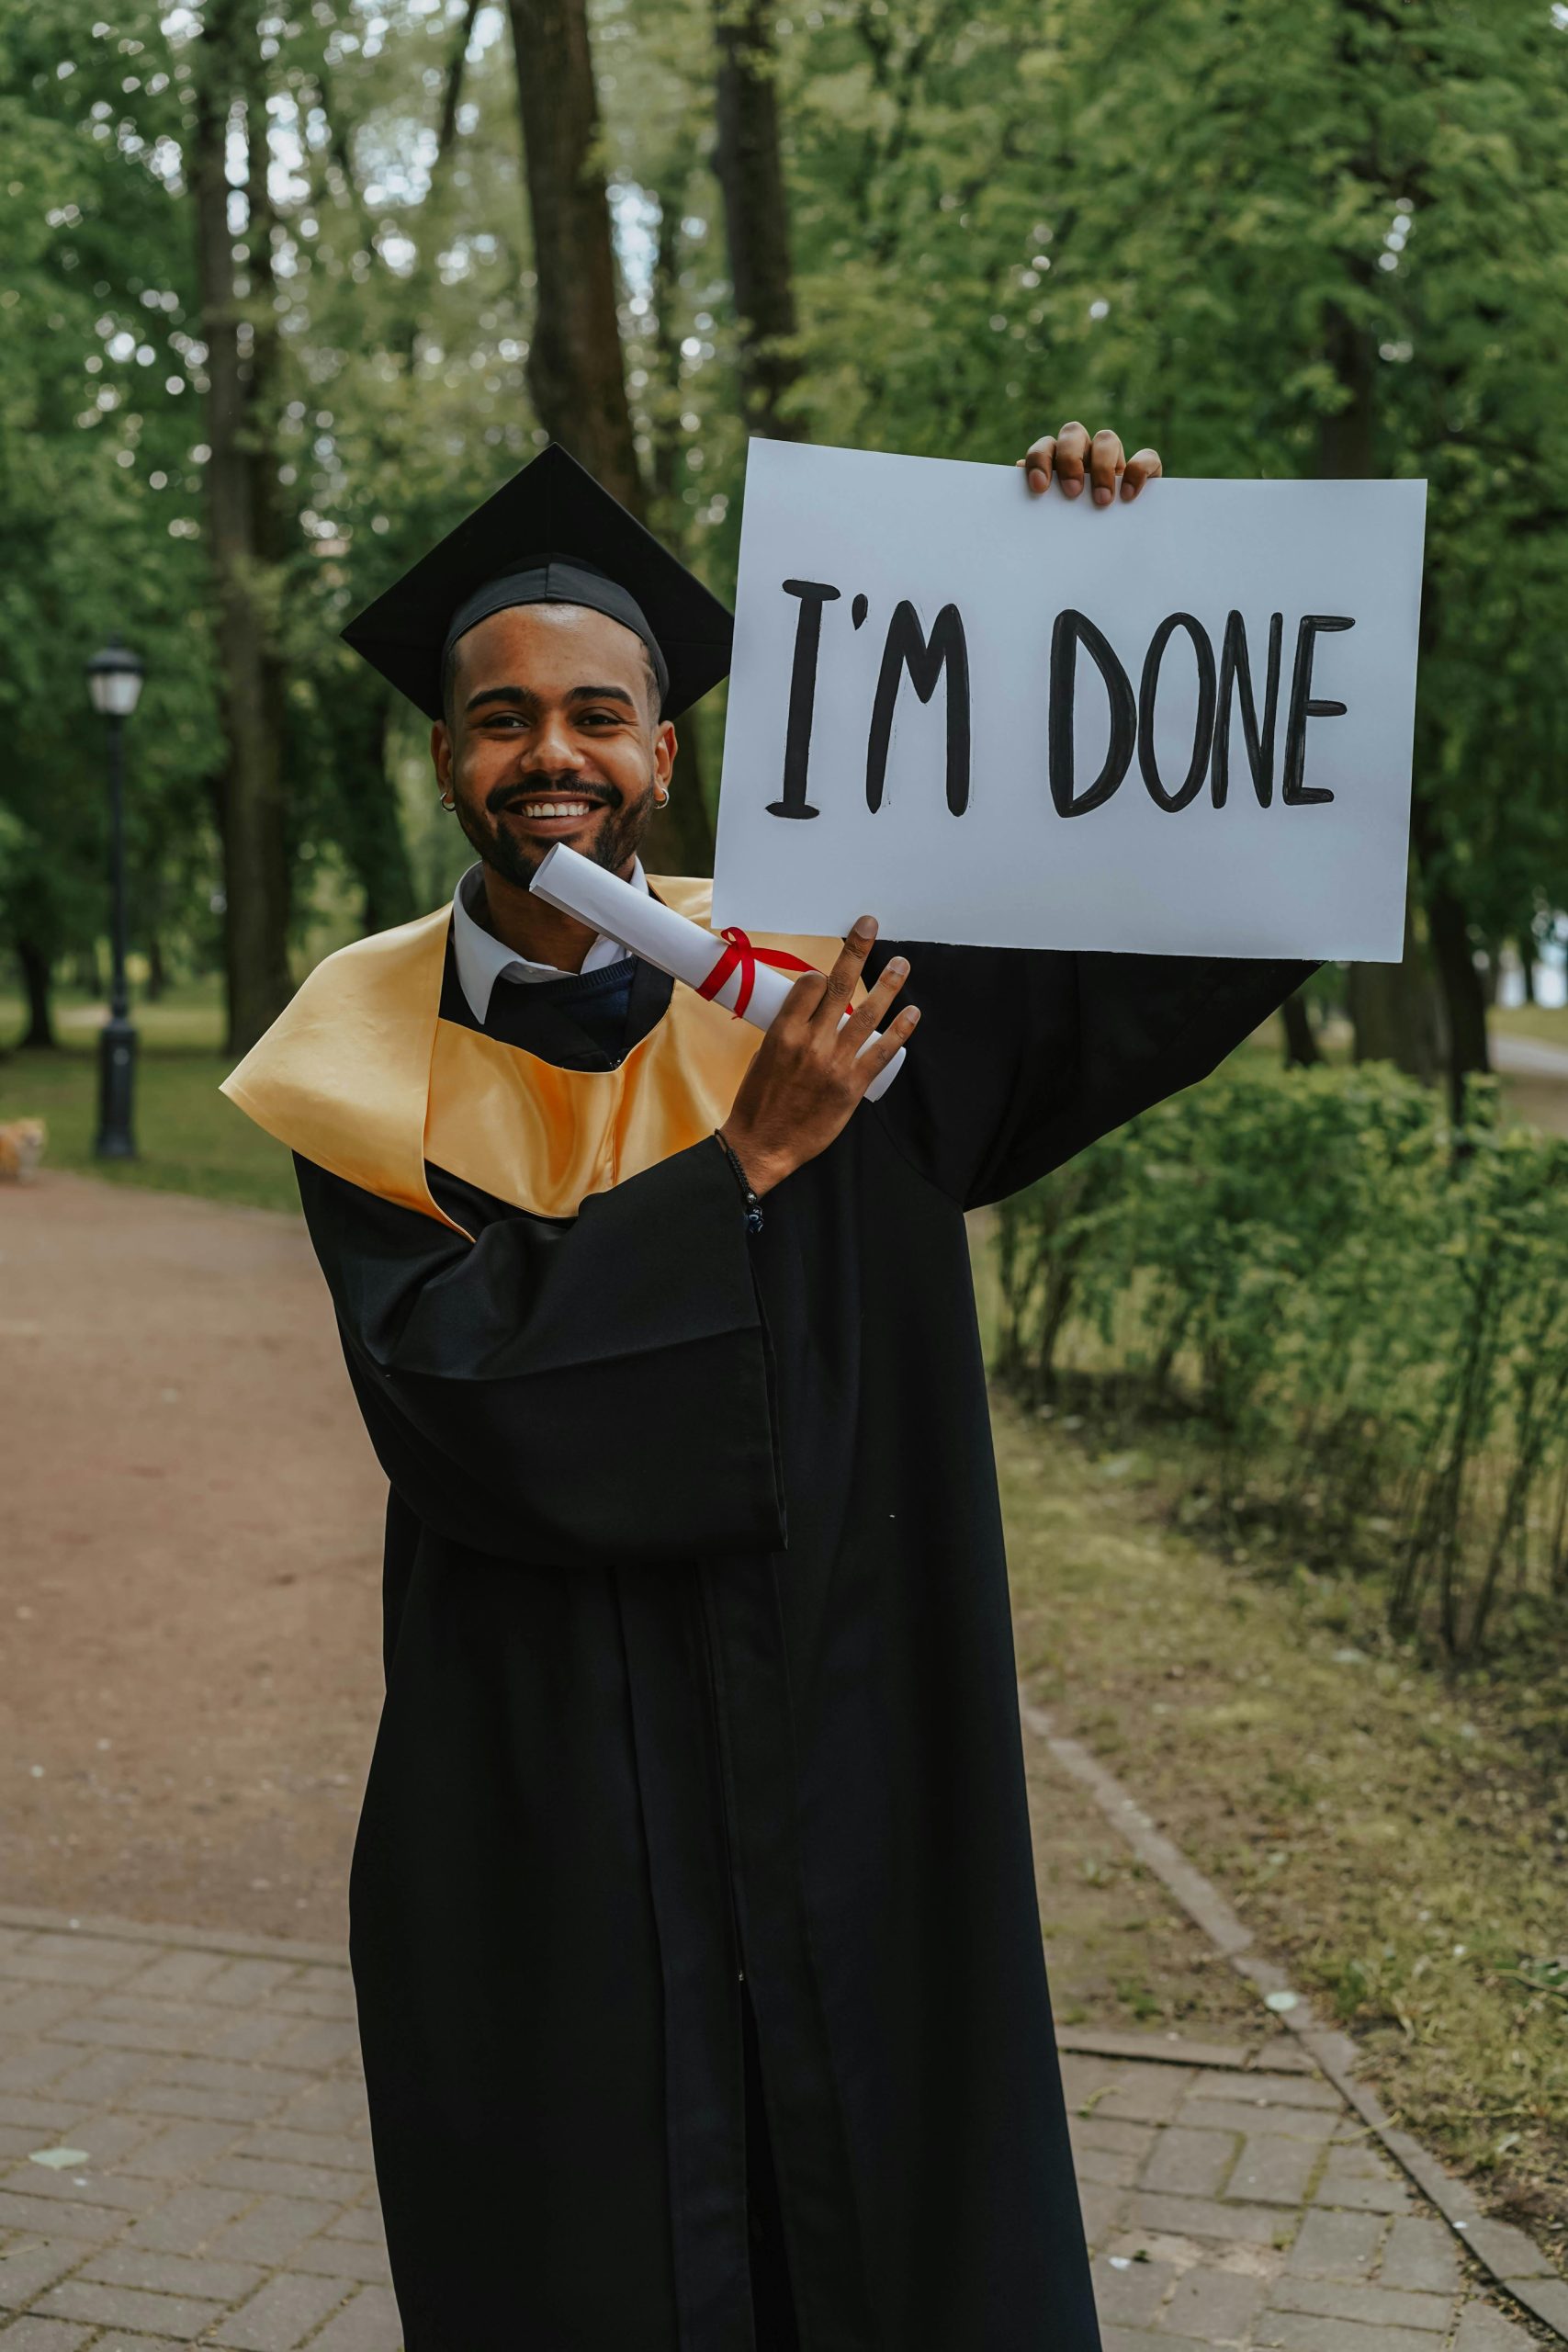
(615, 841)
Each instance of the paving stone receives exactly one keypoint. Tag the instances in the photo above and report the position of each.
(1104, 2165)
(338, 2105)
(160, 2096)
(1359, 2193)
(175, 2151)
(1215, 2306)
(241, 1982)
(1480, 2330)
(320, 2042)
(1131, 2292)
(370, 2323)
(34, 2008)
(1190, 2163)
(1507, 2251)
(251, 2033)
(52, 1958)
(1273, 2171)
(27, 2273)
(28, 2066)
(186, 2221)
(1104, 2132)
(104, 2078)
(1245, 2116)
(1102, 2208)
(1420, 2253)
(1143, 2094)
(1295, 2332)
(341, 2149)
(271, 2229)
(99, 2188)
(360, 2222)
(1547, 2297)
(1337, 2245)
(173, 2273)
(1197, 2217)
(1374, 2306)
(345, 2259)
(175, 1975)
(42, 2335)
(45, 2218)
(1281, 2090)
(286, 2309)
(180, 2316)
(258, 2173)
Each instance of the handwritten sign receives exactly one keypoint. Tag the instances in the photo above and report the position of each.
(1179, 727)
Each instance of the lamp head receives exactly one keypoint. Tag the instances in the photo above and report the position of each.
(114, 680)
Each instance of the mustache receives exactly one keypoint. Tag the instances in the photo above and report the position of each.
(527, 788)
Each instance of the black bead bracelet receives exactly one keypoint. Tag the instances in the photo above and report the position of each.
(753, 1205)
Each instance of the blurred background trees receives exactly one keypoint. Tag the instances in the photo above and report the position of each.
(286, 290)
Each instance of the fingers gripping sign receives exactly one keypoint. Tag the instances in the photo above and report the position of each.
(1074, 457)
(814, 1065)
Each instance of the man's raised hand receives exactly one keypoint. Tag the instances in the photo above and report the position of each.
(808, 1074)
(1074, 455)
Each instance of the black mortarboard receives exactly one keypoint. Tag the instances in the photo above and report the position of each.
(550, 536)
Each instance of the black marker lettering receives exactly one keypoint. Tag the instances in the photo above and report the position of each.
(909, 649)
(813, 595)
(1235, 673)
(1203, 729)
(1071, 630)
(1295, 794)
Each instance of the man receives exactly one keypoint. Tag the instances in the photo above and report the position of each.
(692, 1914)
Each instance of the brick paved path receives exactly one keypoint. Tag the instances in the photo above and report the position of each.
(222, 2192)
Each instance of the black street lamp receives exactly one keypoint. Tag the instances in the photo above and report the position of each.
(114, 682)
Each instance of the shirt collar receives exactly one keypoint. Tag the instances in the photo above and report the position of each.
(483, 959)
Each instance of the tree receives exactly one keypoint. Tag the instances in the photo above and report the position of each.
(756, 215)
(242, 528)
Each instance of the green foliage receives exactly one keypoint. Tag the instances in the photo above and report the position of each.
(1368, 1312)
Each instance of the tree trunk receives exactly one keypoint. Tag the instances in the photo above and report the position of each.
(39, 1036)
(1448, 927)
(1526, 945)
(256, 861)
(370, 830)
(749, 164)
(1301, 1040)
(1395, 1011)
(680, 840)
(157, 969)
(576, 374)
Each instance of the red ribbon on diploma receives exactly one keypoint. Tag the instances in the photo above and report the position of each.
(741, 956)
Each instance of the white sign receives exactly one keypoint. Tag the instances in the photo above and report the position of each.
(1181, 726)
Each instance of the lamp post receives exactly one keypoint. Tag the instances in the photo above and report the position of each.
(114, 682)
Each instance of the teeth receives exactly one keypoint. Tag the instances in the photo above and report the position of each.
(556, 808)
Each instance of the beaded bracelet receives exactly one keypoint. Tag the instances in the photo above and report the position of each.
(753, 1205)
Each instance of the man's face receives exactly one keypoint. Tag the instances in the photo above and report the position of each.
(552, 736)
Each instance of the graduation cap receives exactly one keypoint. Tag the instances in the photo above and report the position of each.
(550, 536)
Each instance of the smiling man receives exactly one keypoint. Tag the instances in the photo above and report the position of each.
(692, 1913)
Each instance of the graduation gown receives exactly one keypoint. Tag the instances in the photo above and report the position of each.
(696, 1811)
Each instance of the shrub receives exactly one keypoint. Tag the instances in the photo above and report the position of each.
(1317, 1265)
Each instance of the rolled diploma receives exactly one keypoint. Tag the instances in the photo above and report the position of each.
(573, 883)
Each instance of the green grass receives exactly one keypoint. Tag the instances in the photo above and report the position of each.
(1549, 1023)
(190, 1137)
(1398, 1839)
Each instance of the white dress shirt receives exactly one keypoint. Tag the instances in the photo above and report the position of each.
(483, 959)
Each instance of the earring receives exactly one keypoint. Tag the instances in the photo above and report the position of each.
(448, 805)
(661, 796)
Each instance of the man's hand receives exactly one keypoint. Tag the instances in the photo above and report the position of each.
(1072, 457)
(807, 1075)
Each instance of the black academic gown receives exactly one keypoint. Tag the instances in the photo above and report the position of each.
(701, 1719)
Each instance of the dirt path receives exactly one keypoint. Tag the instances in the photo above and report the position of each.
(189, 1566)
